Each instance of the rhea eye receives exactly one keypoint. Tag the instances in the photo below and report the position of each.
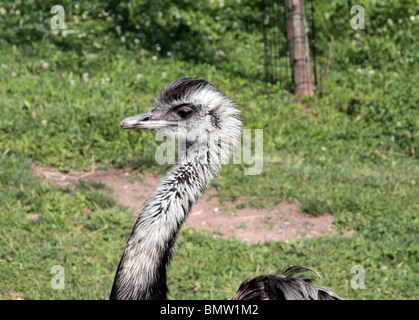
(184, 112)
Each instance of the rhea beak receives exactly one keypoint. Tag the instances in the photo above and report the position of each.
(150, 120)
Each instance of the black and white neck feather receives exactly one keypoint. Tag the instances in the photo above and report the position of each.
(209, 122)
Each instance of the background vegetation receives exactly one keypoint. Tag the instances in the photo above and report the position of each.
(352, 150)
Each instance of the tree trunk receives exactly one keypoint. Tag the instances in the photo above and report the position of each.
(299, 48)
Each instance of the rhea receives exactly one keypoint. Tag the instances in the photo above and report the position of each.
(194, 111)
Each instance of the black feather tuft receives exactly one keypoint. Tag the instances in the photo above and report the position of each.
(283, 286)
(179, 89)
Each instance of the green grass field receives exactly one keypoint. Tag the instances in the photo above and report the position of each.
(352, 150)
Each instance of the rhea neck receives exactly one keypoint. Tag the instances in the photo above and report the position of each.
(141, 272)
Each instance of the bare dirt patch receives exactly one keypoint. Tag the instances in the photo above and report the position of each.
(230, 219)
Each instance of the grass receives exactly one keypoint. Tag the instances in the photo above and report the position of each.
(352, 150)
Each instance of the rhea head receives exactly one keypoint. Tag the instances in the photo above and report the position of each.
(194, 110)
